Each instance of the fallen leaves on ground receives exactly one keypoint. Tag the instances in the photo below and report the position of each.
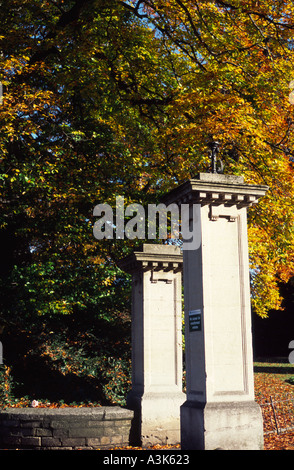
(155, 447)
(268, 384)
(279, 441)
(25, 402)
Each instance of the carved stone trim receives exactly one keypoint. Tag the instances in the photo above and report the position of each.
(216, 189)
(153, 258)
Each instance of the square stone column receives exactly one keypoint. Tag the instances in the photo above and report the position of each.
(156, 394)
(220, 411)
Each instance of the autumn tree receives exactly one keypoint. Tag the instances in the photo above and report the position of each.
(234, 87)
(121, 98)
(77, 76)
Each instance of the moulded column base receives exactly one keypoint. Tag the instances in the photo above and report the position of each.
(156, 418)
(227, 426)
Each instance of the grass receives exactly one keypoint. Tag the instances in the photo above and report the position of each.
(272, 378)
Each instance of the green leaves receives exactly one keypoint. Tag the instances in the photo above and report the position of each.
(121, 98)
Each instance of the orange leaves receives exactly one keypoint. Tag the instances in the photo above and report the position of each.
(270, 380)
(5, 384)
(271, 249)
(125, 105)
(234, 68)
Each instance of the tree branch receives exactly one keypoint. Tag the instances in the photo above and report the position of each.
(65, 19)
(134, 9)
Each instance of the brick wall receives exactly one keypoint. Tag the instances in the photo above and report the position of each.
(64, 428)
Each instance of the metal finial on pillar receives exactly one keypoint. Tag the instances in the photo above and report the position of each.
(216, 163)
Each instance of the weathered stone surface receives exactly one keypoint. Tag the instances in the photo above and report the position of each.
(31, 441)
(156, 394)
(51, 442)
(227, 426)
(68, 428)
(220, 409)
(74, 441)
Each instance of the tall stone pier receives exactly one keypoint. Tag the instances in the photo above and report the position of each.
(220, 411)
(156, 395)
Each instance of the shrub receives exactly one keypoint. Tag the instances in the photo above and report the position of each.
(6, 396)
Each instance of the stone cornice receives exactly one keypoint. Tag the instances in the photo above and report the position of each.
(153, 257)
(216, 189)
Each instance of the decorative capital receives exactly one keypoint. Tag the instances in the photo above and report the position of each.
(209, 188)
(151, 257)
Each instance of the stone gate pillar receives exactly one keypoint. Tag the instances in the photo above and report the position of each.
(156, 394)
(220, 411)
